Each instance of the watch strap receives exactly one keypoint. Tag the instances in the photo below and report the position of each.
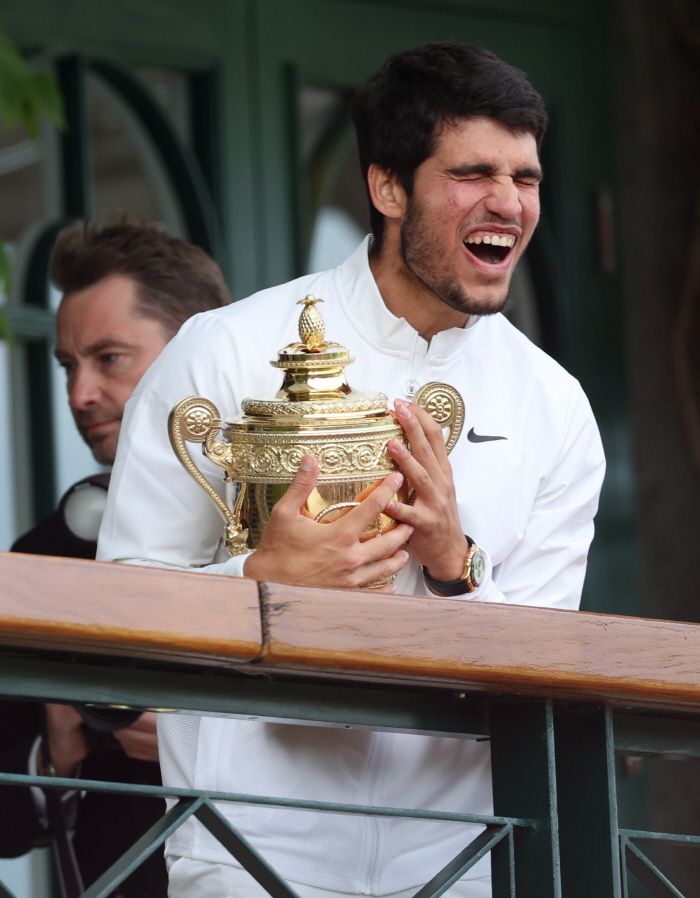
(459, 587)
(451, 588)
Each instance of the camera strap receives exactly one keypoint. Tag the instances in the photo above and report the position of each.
(69, 875)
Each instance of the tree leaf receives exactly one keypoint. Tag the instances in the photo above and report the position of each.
(49, 99)
(25, 94)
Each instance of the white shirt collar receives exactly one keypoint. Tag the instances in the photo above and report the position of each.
(363, 304)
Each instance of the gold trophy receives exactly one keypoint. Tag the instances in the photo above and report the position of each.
(315, 412)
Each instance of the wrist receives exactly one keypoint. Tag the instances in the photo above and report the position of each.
(471, 578)
(450, 567)
(251, 567)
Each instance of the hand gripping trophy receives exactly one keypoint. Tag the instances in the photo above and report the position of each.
(314, 412)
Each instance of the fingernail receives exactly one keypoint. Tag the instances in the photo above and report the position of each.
(307, 463)
(398, 479)
(396, 445)
(390, 506)
(410, 530)
(404, 412)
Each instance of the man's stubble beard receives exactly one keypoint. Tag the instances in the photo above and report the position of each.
(421, 257)
(103, 450)
(102, 446)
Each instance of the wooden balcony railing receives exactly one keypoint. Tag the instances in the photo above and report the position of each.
(557, 694)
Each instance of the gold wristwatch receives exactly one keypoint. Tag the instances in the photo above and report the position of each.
(472, 575)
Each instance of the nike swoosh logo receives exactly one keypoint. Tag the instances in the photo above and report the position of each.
(477, 438)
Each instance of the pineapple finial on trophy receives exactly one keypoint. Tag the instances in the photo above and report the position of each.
(312, 328)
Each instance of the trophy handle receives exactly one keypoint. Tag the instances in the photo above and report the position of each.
(197, 420)
(445, 405)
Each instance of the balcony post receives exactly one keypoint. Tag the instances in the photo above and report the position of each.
(588, 828)
(524, 785)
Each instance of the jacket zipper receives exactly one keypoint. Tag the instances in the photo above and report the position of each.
(380, 745)
(413, 383)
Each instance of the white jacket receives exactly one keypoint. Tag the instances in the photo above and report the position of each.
(528, 500)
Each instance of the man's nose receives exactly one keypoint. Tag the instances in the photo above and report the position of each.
(83, 389)
(504, 198)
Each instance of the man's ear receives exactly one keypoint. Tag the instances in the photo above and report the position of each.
(386, 192)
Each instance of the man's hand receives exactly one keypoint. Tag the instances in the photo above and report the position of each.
(66, 740)
(298, 550)
(140, 740)
(437, 541)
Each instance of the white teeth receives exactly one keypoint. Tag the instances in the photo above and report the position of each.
(493, 239)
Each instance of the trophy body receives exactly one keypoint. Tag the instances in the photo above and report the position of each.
(315, 412)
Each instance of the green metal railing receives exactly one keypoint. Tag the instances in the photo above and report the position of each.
(515, 841)
(554, 770)
(555, 831)
(201, 805)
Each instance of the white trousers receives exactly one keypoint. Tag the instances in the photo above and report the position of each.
(198, 879)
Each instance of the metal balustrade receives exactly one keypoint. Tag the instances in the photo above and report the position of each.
(556, 693)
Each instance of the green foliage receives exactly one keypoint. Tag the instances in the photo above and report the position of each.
(26, 95)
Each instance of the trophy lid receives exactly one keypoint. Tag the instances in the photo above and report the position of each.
(314, 382)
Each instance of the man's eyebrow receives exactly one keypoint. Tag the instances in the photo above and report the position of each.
(97, 347)
(483, 168)
(534, 173)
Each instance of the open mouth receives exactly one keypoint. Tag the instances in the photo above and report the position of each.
(490, 248)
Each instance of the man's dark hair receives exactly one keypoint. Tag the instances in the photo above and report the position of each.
(174, 279)
(401, 109)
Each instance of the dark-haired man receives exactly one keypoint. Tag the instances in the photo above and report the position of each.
(126, 288)
(449, 138)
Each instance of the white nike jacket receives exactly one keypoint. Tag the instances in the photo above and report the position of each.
(527, 499)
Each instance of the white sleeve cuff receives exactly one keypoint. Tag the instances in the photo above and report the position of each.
(230, 567)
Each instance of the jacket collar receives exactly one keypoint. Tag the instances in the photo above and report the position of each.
(364, 307)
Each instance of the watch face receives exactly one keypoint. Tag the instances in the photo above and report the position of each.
(478, 570)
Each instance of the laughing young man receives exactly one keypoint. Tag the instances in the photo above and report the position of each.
(449, 138)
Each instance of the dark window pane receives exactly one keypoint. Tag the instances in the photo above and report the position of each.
(170, 89)
(21, 192)
(127, 173)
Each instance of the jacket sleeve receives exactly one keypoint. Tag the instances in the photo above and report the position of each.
(548, 565)
(156, 513)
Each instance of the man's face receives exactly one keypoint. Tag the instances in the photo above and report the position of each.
(474, 207)
(105, 347)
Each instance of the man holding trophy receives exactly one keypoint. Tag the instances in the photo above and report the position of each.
(449, 138)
